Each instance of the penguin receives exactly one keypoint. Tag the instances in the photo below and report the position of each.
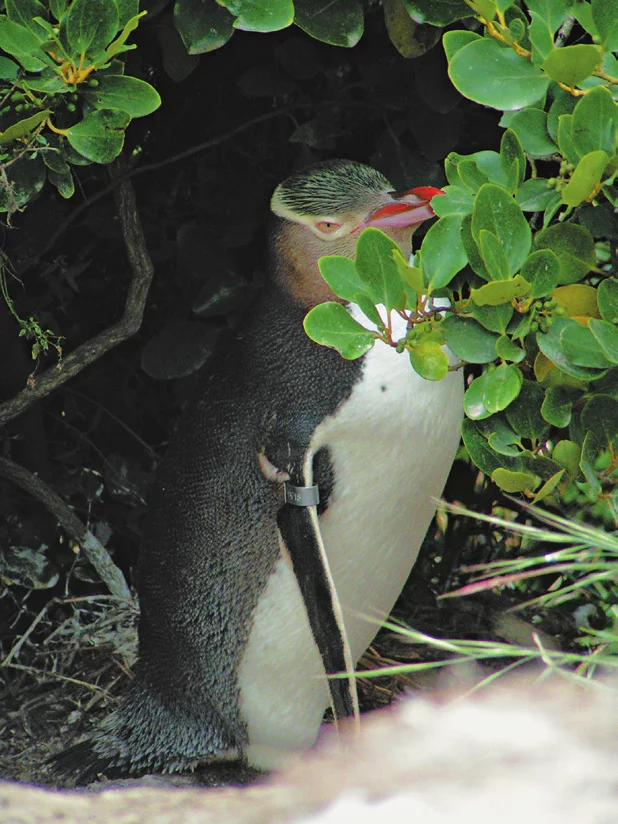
(287, 513)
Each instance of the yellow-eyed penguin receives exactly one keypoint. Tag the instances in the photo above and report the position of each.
(239, 622)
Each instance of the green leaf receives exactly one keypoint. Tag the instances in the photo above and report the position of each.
(117, 46)
(330, 324)
(500, 291)
(512, 157)
(607, 295)
(442, 252)
(585, 180)
(497, 212)
(368, 308)
(542, 270)
(339, 24)
(606, 335)
(572, 64)
(493, 255)
(469, 340)
(23, 127)
(127, 10)
(524, 413)
(589, 454)
(429, 361)
(552, 343)
(501, 436)
(530, 125)
(595, 118)
(535, 195)
(63, 181)
(548, 487)
(100, 135)
(557, 406)
(574, 247)
(88, 26)
(455, 40)
(492, 392)
(582, 349)
(57, 8)
(412, 275)
(8, 70)
(605, 16)
(494, 318)
(22, 44)
(203, 27)
(512, 482)
(565, 139)
(508, 350)
(563, 103)
(129, 94)
(600, 416)
(437, 12)
(455, 201)
(23, 12)
(341, 275)
(470, 174)
(377, 268)
(259, 15)
(481, 453)
(547, 16)
(567, 454)
(496, 76)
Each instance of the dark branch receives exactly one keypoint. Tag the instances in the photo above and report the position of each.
(94, 551)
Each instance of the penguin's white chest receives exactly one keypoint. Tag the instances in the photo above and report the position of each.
(391, 445)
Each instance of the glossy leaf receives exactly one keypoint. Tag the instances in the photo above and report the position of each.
(339, 24)
(23, 127)
(557, 406)
(203, 27)
(574, 247)
(455, 201)
(551, 345)
(501, 291)
(513, 482)
(486, 458)
(605, 16)
(494, 318)
(508, 350)
(377, 268)
(442, 252)
(567, 454)
(492, 392)
(412, 275)
(512, 159)
(582, 348)
(129, 94)
(100, 135)
(469, 340)
(607, 295)
(259, 16)
(23, 12)
(524, 413)
(496, 76)
(547, 16)
(341, 275)
(530, 125)
(497, 212)
(595, 118)
(455, 40)
(534, 195)
(369, 309)
(330, 324)
(578, 300)
(22, 44)
(493, 255)
(585, 180)
(88, 26)
(600, 416)
(429, 361)
(571, 65)
(437, 12)
(542, 270)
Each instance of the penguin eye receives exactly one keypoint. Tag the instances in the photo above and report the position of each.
(327, 227)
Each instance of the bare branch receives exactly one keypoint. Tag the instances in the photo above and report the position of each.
(128, 325)
(94, 551)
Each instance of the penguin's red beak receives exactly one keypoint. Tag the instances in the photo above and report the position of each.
(407, 208)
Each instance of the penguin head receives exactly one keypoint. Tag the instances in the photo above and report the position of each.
(322, 209)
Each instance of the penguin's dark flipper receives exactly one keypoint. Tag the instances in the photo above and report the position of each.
(299, 528)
